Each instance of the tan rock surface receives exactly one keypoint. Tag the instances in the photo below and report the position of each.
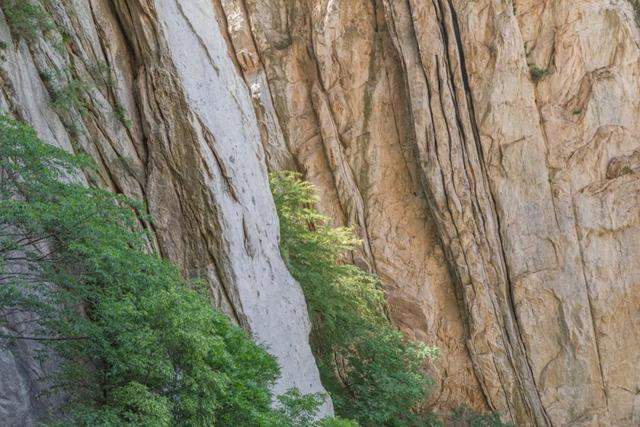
(471, 134)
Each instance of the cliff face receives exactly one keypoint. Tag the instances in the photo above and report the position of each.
(168, 121)
(487, 153)
(484, 151)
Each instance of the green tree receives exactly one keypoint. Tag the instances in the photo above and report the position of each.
(372, 372)
(139, 345)
(466, 417)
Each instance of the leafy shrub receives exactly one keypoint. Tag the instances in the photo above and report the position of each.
(372, 372)
(299, 410)
(139, 345)
(465, 417)
(26, 18)
(121, 114)
(71, 96)
(537, 73)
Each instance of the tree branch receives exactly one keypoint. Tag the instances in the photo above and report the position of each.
(23, 337)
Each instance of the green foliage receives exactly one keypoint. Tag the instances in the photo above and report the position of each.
(71, 96)
(298, 410)
(139, 345)
(372, 372)
(71, 93)
(337, 422)
(26, 18)
(121, 114)
(537, 73)
(626, 170)
(465, 417)
(636, 8)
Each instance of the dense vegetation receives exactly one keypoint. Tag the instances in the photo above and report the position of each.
(26, 19)
(373, 374)
(139, 345)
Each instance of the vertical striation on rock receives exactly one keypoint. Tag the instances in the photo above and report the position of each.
(338, 89)
(468, 134)
(175, 127)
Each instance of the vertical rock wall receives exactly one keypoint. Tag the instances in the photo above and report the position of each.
(169, 121)
(487, 154)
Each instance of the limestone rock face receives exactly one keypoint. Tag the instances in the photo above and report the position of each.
(487, 153)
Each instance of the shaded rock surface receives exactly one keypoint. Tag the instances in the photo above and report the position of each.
(486, 152)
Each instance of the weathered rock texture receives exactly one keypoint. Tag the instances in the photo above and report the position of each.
(169, 121)
(487, 152)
